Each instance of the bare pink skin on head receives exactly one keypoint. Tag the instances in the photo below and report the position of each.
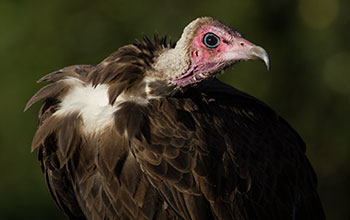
(208, 58)
(206, 61)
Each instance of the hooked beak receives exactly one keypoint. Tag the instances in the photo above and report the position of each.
(242, 49)
(259, 53)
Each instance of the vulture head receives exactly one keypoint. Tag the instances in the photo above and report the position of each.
(205, 48)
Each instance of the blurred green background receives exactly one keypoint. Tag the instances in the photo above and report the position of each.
(309, 82)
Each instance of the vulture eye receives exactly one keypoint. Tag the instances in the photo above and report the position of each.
(210, 40)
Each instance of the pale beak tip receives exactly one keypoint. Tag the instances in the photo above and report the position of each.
(267, 63)
(260, 53)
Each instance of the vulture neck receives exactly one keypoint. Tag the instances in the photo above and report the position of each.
(172, 62)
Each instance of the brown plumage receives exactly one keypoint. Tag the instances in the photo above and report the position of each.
(137, 137)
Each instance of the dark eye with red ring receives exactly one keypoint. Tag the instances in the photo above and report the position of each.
(211, 40)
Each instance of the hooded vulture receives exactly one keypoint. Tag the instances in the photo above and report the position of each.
(149, 133)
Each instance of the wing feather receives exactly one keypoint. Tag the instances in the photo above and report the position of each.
(217, 149)
(90, 176)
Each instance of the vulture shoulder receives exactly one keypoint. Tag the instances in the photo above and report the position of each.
(217, 153)
(89, 176)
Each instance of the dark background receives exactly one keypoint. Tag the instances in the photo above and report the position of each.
(308, 84)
